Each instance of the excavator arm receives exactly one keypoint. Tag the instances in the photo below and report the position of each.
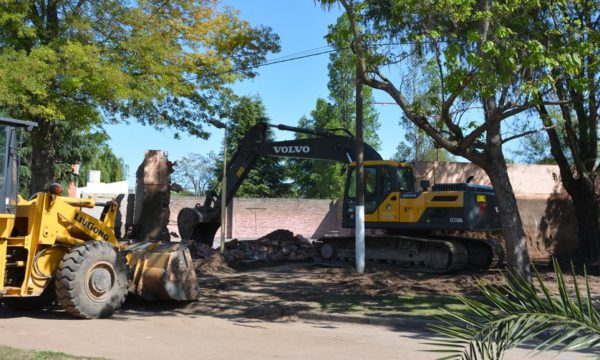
(202, 222)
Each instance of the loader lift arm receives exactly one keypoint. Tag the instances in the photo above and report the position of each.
(202, 222)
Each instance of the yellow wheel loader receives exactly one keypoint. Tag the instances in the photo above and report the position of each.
(53, 251)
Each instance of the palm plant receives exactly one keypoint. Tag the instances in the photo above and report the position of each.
(517, 313)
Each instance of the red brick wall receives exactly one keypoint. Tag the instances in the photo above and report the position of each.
(547, 213)
(254, 217)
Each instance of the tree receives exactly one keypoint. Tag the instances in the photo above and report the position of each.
(196, 172)
(111, 167)
(318, 179)
(570, 34)
(422, 148)
(417, 146)
(77, 147)
(341, 85)
(78, 64)
(267, 178)
(518, 313)
(535, 149)
(324, 179)
(485, 64)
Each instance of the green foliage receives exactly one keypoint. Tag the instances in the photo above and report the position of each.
(267, 178)
(318, 179)
(535, 149)
(422, 149)
(112, 168)
(325, 179)
(424, 87)
(83, 63)
(87, 148)
(7, 352)
(196, 172)
(519, 313)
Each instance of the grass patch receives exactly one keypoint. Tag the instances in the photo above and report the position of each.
(10, 353)
(413, 305)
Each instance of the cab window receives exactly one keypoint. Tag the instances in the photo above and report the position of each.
(386, 179)
(405, 180)
(370, 188)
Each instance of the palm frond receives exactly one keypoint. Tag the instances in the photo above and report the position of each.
(517, 313)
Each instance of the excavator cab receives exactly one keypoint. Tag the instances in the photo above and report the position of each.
(392, 203)
(385, 182)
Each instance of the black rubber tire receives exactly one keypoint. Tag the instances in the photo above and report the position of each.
(35, 303)
(91, 280)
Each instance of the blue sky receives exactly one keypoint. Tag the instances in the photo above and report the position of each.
(289, 90)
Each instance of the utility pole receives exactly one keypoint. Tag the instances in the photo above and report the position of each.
(220, 125)
(360, 181)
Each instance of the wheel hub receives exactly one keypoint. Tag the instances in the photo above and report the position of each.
(327, 251)
(100, 280)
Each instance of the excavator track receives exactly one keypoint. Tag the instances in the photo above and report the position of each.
(412, 253)
(483, 253)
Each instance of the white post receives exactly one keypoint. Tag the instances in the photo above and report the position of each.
(224, 193)
(360, 239)
(359, 245)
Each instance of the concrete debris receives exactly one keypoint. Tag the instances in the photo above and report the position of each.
(278, 246)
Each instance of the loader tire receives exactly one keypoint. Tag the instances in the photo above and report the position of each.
(91, 280)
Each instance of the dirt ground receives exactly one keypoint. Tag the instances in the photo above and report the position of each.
(283, 290)
(253, 311)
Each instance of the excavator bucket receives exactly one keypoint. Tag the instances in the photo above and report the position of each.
(162, 271)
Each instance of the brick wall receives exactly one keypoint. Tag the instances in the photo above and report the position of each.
(545, 209)
(255, 217)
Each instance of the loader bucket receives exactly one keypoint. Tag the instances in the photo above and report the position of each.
(162, 271)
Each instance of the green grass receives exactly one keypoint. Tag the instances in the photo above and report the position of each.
(414, 305)
(10, 353)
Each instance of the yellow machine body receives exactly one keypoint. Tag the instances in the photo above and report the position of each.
(34, 241)
(391, 201)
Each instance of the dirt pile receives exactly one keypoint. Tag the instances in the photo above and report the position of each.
(277, 246)
(216, 263)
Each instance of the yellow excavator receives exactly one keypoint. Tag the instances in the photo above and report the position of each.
(52, 251)
(427, 229)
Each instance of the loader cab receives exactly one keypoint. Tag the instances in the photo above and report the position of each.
(9, 162)
(385, 182)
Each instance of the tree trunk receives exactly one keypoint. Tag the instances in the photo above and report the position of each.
(585, 202)
(517, 255)
(43, 157)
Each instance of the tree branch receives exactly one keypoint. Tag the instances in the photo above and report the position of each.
(570, 131)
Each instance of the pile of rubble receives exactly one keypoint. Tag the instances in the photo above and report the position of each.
(277, 246)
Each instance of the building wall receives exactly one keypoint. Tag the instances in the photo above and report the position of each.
(255, 217)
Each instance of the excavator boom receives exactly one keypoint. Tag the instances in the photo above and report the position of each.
(202, 222)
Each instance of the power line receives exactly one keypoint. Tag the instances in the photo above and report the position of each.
(273, 62)
(303, 55)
